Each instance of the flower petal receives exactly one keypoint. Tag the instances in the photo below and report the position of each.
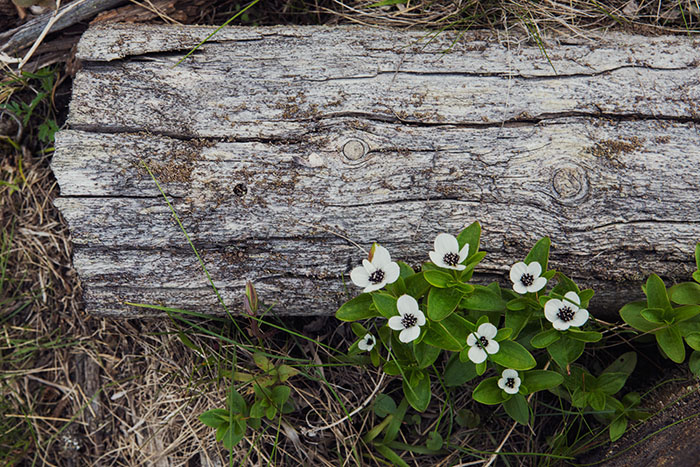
(580, 318)
(537, 285)
(410, 334)
(391, 272)
(573, 297)
(373, 287)
(519, 288)
(551, 308)
(395, 323)
(560, 325)
(535, 269)
(516, 272)
(471, 339)
(381, 256)
(476, 354)
(359, 276)
(368, 266)
(407, 304)
(464, 252)
(460, 267)
(509, 373)
(513, 390)
(487, 330)
(502, 383)
(437, 259)
(446, 243)
(420, 318)
(492, 347)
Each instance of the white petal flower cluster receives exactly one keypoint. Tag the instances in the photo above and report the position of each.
(526, 277)
(367, 342)
(482, 343)
(509, 382)
(565, 313)
(410, 319)
(375, 274)
(447, 253)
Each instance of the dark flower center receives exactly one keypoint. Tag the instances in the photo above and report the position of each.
(510, 382)
(408, 321)
(482, 342)
(370, 340)
(565, 313)
(451, 259)
(527, 279)
(376, 277)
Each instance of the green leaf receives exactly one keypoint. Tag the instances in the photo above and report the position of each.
(271, 412)
(517, 304)
(417, 390)
(392, 430)
(435, 441)
(503, 334)
(585, 296)
(458, 372)
(385, 304)
(405, 270)
(488, 392)
(258, 409)
(657, 296)
(697, 256)
(467, 419)
(683, 313)
(215, 417)
(579, 398)
(611, 383)
(685, 293)
(437, 278)
(391, 456)
(539, 253)
(539, 380)
(518, 409)
(425, 354)
(280, 394)
(356, 309)
(387, 3)
(696, 276)
(484, 299)
(472, 236)
(442, 302)
(233, 436)
(358, 329)
(694, 362)
(584, 336)
(565, 351)
(545, 338)
(625, 363)
(416, 285)
(596, 399)
(516, 320)
(670, 341)
(565, 284)
(384, 405)
(480, 367)
(391, 368)
(617, 428)
(262, 362)
(654, 315)
(693, 340)
(513, 355)
(631, 314)
(236, 402)
(449, 334)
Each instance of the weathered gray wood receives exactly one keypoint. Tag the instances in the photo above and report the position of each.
(250, 139)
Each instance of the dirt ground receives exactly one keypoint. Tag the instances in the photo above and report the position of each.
(81, 390)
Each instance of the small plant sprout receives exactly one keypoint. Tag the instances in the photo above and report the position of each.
(565, 313)
(410, 319)
(447, 253)
(367, 343)
(377, 271)
(509, 381)
(526, 277)
(482, 343)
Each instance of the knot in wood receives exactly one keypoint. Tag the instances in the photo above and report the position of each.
(570, 184)
(354, 149)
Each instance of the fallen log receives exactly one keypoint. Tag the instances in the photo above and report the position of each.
(281, 148)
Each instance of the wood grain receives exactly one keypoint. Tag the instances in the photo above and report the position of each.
(280, 147)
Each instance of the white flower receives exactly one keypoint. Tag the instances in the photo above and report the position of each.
(367, 342)
(563, 314)
(526, 277)
(375, 274)
(510, 382)
(447, 253)
(410, 319)
(482, 343)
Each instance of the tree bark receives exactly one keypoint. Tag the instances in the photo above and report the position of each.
(281, 148)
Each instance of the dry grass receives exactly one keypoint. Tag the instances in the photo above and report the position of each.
(80, 390)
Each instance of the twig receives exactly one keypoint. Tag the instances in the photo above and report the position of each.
(314, 430)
